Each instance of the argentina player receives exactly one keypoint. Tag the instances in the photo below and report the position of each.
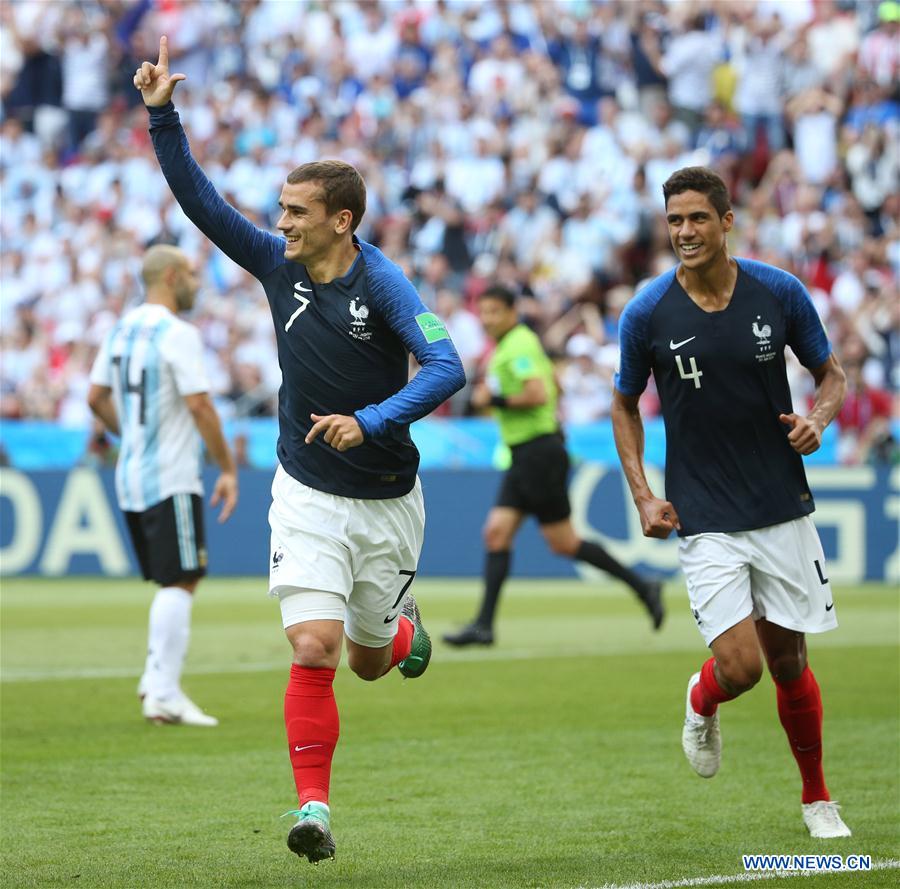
(149, 387)
(713, 332)
(347, 515)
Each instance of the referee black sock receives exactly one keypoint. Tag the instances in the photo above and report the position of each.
(496, 568)
(595, 555)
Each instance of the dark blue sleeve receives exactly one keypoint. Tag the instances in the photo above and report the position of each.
(635, 357)
(424, 335)
(805, 333)
(251, 248)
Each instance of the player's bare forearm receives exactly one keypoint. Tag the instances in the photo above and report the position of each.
(533, 394)
(831, 389)
(805, 434)
(628, 431)
(101, 403)
(206, 419)
(658, 517)
(210, 429)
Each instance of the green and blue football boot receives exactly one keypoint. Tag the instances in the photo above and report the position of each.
(416, 662)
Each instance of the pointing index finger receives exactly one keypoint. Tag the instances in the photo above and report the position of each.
(319, 423)
(163, 52)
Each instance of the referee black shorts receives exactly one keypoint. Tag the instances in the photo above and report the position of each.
(537, 481)
(168, 539)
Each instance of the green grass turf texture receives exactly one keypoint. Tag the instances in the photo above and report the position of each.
(551, 760)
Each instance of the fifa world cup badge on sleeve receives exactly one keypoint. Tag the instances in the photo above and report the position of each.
(432, 327)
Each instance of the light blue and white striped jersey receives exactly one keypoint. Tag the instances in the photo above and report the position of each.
(152, 360)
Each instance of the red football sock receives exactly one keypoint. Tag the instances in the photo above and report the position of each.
(707, 694)
(402, 641)
(311, 719)
(800, 711)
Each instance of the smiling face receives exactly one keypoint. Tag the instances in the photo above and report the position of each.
(697, 232)
(310, 231)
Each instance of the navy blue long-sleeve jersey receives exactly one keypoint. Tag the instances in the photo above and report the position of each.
(722, 383)
(343, 347)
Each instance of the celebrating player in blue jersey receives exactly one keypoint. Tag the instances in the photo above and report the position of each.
(148, 386)
(713, 333)
(347, 515)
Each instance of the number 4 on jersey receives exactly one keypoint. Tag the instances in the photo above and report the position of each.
(695, 373)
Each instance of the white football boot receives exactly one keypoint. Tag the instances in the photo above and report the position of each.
(701, 739)
(824, 821)
(180, 710)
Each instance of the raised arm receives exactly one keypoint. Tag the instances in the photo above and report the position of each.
(253, 249)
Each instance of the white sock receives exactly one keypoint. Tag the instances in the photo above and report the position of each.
(167, 643)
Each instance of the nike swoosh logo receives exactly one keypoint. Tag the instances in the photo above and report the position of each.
(307, 747)
(829, 607)
(300, 287)
(673, 345)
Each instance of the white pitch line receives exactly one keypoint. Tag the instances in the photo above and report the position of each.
(749, 877)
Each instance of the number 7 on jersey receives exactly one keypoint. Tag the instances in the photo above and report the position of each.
(304, 302)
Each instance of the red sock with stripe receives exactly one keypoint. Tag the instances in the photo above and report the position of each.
(707, 694)
(402, 641)
(800, 712)
(311, 719)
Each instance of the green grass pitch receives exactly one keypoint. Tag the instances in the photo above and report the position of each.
(551, 760)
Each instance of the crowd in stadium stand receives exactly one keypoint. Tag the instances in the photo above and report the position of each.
(520, 142)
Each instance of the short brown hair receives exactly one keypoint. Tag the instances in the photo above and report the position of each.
(700, 179)
(342, 186)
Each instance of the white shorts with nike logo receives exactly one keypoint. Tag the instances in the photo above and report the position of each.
(777, 572)
(339, 558)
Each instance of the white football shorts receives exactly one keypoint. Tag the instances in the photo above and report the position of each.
(776, 572)
(338, 558)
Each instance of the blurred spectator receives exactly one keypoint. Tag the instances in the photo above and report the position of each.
(688, 63)
(585, 383)
(864, 419)
(814, 114)
(85, 52)
(759, 97)
(468, 336)
(879, 54)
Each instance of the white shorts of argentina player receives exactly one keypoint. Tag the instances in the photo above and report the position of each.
(338, 558)
(777, 572)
